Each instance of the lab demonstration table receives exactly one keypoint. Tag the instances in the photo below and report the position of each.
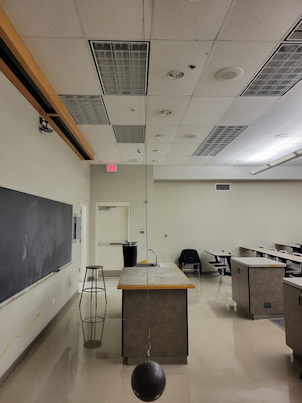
(155, 298)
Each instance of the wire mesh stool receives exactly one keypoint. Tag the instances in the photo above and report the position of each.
(93, 289)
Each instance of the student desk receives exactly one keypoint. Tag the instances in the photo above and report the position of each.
(296, 247)
(221, 254)
(264, 251)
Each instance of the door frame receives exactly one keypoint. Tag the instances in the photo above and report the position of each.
(84, 241)
(109, 204)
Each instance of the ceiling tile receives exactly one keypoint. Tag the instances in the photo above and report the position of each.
(163, 149)
(131, 149)
(296, 90)
(98, 133)
(176, 160)
(157, 160)
(230, 152)
(179, 19)
(244, 110)
(285, 110)
(177, 105)
(197, 161)
(133, 160)
(67, 65)
(267, 20)
(104, 149)
(168, 132)
(110, 159)
(165, 57)
(254, 134)
(125, 110)
(183, 149)
(203, 132)
(43, 18)
(206, 110)
(110, 20)
(249, 56)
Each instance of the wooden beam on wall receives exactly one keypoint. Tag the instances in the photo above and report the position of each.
(18, 49)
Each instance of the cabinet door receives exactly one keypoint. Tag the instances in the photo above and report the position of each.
(293, 317)
(235, 282)
(244, 289)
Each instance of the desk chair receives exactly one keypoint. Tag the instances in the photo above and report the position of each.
(190, 256)
(259, 254)
(272, 257)
(93, 288)
(295, 268)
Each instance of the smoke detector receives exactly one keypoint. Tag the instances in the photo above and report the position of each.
(229, 74)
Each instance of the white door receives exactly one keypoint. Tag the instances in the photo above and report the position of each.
(112, 231)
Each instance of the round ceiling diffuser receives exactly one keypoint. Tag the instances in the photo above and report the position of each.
(229, 73)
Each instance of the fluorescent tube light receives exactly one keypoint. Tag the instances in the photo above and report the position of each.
(281, 160)
(260, 169)
(278, 161)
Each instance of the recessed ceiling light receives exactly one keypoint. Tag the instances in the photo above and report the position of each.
(165, 112)
(160, 136)
(176, 74)
(191, 135)
(154, 160)
(229, 73)
(283, 135)
(157, 151)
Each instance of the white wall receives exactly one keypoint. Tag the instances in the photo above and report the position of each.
(195, 216)
(128, 184)
(45, 166)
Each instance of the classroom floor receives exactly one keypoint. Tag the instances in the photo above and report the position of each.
(231, 358)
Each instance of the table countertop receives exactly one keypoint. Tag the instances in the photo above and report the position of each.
(257, 262)
(164, 276)
(294, 282)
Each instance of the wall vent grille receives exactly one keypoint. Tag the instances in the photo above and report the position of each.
(222, 186)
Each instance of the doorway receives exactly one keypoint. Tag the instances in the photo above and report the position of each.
(112, 229)
(83, 241)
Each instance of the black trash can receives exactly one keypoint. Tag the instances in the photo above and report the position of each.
(130, 254)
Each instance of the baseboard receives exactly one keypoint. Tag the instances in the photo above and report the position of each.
(14, 365)
(112, 273)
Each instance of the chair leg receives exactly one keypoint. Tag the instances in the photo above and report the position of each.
(104, 285)
(83, 287)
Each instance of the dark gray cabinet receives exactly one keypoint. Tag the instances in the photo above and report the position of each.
(293, 317)
(257, 286)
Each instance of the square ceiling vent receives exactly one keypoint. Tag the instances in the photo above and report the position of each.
(279, 74)
(86, 109)
(219, 138)
(129, 134)
(122, 66)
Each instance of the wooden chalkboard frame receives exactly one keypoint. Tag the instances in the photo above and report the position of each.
(35, 239)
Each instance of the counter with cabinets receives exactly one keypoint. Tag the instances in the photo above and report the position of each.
(155, 298)
(257, 286)
(292, 291)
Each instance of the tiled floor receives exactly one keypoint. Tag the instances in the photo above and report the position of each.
(231, 358)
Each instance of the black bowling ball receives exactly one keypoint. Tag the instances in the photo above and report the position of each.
(148, 381)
